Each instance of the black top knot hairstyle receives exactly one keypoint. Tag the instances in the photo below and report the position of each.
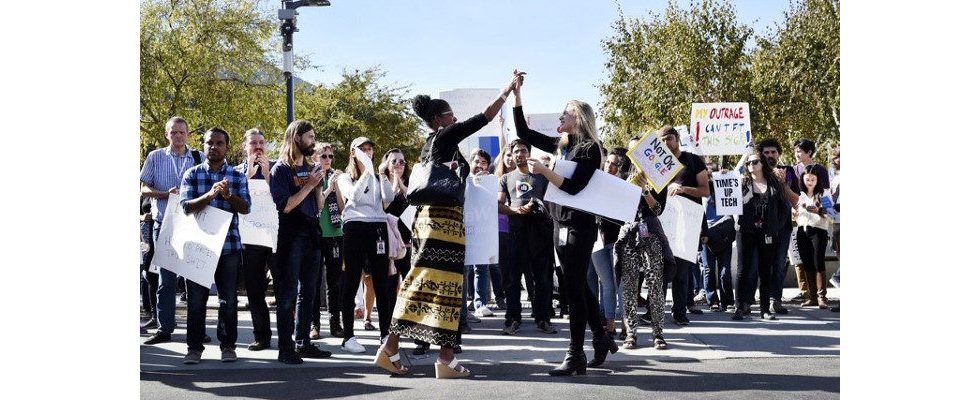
(427, 108)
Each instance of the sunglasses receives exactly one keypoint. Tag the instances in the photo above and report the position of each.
(752, 162)
(326, 156)
(398, 162)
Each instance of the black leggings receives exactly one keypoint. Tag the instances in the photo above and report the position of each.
(813, 247)
(361, 256)
(753, 252)
(332, 256)
(583, 307)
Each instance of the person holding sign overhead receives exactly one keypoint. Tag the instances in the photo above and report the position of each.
(763, 215)
(424, 309)
(216, 184)
(575, 231)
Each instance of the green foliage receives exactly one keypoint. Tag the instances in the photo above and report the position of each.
(359, 105)
(796, 77)
(207, 61)
(659, 65)
(215, 63)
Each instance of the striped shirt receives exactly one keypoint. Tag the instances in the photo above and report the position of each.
(162, 171)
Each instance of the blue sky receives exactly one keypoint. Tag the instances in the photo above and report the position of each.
(442, 45)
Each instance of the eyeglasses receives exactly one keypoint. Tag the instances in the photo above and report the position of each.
(326, 156)
(752, 162)
(618, 163)
(398, 162)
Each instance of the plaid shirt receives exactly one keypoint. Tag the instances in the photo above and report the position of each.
(198, 180)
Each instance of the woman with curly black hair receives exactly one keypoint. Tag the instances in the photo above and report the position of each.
(428, 304)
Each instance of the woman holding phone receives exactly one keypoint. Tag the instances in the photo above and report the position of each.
(365, 238)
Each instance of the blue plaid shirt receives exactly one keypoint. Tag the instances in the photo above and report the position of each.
(198, 180)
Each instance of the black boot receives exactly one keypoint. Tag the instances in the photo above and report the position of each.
(335, 329)
(574, 362)
(603, 345)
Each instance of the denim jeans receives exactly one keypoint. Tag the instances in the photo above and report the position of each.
(481, 281)
(718, 277)
(696, 280)
(298, 259)
(166, 295)
(226, 278)
(602, 282)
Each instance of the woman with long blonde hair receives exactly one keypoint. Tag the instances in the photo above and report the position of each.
(575, 230)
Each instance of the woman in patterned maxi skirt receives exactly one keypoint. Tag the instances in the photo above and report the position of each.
(428, 305)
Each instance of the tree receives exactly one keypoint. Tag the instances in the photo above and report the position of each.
(210, 62)
(796, 77)
(359, 105)
(658, 67)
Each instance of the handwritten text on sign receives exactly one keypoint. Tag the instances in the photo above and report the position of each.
(728, 193)
(190, 244)
(261, 225)
(721, 128)
(656, 160)
(480, 219)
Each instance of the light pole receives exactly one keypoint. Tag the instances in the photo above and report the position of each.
(288, 16)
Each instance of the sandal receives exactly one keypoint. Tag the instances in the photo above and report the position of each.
(451, 371)
(368, 326)
(659, 343)
(630, 342)
(387, 362)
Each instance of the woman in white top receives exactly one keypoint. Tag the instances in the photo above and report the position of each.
(365, 238)
(813, 222)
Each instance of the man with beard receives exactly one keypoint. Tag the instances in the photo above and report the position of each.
(257, 257)
(216, 184)
(530, 230)
(771, 150)
(294, 184)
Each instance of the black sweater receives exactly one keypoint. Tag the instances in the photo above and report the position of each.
(777, 211)
(445, 142)
(588, 157)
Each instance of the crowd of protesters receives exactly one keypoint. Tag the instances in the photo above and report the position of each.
(343, 249)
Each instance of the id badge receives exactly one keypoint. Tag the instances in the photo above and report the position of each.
(768, 239)
(562, 236)
(336, 252)
(644, 232)
(381, 246)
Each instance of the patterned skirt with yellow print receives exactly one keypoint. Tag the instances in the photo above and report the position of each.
(431, 295)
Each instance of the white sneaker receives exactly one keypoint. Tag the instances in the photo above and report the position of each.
(483, 311)
(352, 346)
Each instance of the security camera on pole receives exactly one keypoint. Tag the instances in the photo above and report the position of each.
(288, 16)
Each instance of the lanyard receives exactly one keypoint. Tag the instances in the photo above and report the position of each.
(183, 163)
